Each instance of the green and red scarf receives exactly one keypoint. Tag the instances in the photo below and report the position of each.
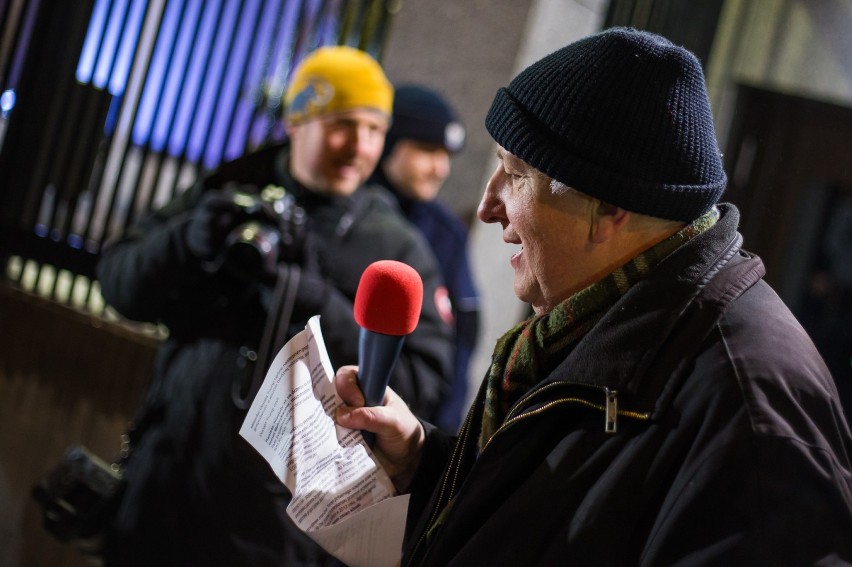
(531, 350)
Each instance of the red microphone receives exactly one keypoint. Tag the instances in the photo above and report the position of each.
(387, 308)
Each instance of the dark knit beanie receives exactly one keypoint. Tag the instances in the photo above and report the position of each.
(423, 115)
(623, 116)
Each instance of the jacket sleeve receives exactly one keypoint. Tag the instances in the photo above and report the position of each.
(149, 271)
(759, 502)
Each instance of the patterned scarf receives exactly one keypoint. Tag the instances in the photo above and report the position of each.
(532, 349)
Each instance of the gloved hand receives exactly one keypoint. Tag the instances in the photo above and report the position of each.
(212, 220)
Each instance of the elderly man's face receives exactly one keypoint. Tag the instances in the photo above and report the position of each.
(334, 154)
(555, 260)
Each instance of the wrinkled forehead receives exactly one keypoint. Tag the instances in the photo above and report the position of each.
(516, 164)
(511, 160)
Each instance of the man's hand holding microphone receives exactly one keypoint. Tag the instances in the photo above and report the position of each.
(387, 307)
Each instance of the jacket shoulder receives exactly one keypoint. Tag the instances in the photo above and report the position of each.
(256, 168)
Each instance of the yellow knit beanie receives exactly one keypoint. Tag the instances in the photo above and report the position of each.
(336, 79)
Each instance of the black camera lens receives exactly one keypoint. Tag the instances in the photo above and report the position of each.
(251, 249)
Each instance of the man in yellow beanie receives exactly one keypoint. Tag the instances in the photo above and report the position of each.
(338, 95)
(234, 267)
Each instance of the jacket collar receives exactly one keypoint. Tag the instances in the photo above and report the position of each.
(634, 334)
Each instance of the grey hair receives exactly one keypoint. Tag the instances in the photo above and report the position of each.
(558, 188)
(638, 220)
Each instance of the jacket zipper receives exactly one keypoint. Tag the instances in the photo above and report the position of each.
(458, 450)
(611, 411)
(609, 408)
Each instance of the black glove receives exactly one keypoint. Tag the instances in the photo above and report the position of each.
(212, 220)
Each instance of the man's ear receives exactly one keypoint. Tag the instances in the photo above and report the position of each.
(290, 127)
(608, 220)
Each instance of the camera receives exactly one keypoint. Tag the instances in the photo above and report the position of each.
(273, 231)
(79, 497)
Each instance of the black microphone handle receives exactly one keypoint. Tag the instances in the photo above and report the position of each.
(377, 354)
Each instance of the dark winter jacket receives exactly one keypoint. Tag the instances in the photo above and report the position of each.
(695, 424)
(197, 493)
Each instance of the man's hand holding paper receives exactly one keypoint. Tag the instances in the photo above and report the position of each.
(342, 498)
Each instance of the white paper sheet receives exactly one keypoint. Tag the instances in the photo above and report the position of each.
(342, 498)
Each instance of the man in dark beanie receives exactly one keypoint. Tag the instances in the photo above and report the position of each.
(424, 134)
(662, 406)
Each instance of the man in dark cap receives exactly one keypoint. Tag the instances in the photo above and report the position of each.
(425, 133)
(662, 406)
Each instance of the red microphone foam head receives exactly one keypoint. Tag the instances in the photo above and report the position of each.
(389, 298)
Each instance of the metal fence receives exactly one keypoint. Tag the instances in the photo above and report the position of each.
(109, 108)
